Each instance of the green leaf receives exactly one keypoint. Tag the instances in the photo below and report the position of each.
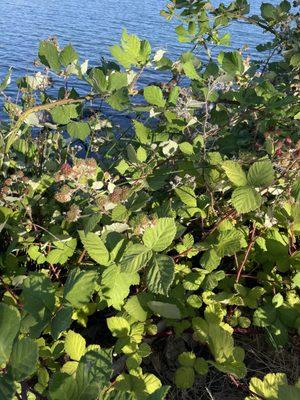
(119, 100)
(62, 252)
(184, 377)
(78, 130)
(115, 285)
(68, 55)
(62, 115)
(39, 301)
(220, 343)
(8, 386)
(118, 326)
(79, 287)
(246, 199)
(133, 51)
(165, 310)
(160, 274)
(24, 358)
(6, 81)
(9, 327)
(159, 394)
(98, 80)
(61, 321)
(142, 132)
(63, 387)
(229, 242)
(201, 366)
(153, 95)
(268, 387)
(261, 174)
(187, 359)
(186, 148)
(95, 247)
(277, 300)
(210, 260)
(75, 345)
(93, 374)
(70, 367)
(187, 195)
(232, 63)
(49, 56)
(160, 236)
(117, 80)
(268, 11)
(190, 71)
(235, 173)
(136, 307)
(135, 258)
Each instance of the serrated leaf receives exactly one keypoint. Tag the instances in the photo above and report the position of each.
(277, 300)
(93, 373)
(246, 199)
(135, 258)
(75, 345)
(118, 326)
(70, 367)
(63, 387)
(8, 386)
(116, 284)
(235, 173)
(61, 321)
(78, 130)
(62, 251)
(159, 394)
(6, 81)
(165, 310)
(49, 55)
(187, 195)
(24, 358)
(184, 377)
(160, 236)
(268, 387)
(160, 274)
(261, 174)
(68, 55)
(117, 80)
(133, 51)
(63, 114)
(9, 327)
(38, 292)
(136, 307)
(220, 343)
(229, 242)
(232, 62)
(119, 100)
(190, 71)
(268, 11)
(95, 248)
(79, 287)
(153, 95)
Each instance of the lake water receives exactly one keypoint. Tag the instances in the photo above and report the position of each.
(91, 26)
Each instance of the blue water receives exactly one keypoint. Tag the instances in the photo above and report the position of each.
(92, 26)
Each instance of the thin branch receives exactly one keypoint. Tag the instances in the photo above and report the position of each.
(15, 297)
(250, 245)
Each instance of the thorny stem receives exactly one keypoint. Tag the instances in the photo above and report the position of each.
(250, 245)
(11, 292)
(243, 387)
(42, 107)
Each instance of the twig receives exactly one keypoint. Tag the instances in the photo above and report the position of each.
(42, 107)
(250, 245)
(11, 292)
(81, 257)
